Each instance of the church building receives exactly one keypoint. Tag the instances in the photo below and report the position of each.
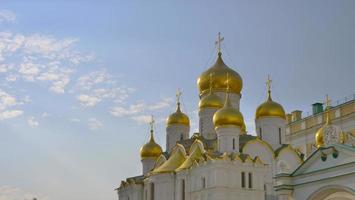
(222, 161)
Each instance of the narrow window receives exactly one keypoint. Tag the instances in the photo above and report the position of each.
(261, 133)
(250, 177)
(183, 189)
(233, 143)
(243, 179)
(152, 191)
(203, 182)
(265, 191)
(181, 136)
(280, 136)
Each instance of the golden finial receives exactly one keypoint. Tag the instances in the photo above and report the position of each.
(218, 42)
(268, 85)
(151, 123)
(327, 107)
(178, 97)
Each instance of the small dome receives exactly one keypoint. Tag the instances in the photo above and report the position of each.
(220, 71)
(228, 115)
(329, 134)
(151, 149)
(178, 117)
(210, 101)
(270, 109)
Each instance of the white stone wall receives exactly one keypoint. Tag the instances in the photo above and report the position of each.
(270, 130)
(228, 138)
(206, 125)
(147, 164)
(223, 181)
(131, 192)
(174, 133)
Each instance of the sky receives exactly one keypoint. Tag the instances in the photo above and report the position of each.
(80, 79)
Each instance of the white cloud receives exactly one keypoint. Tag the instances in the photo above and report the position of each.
(120, 111)
(98, 86)
(164, 103)
(7, 16)
(142, 119)
(94, 124)
(8, 114)
(32, 122)
(7, 102)
(40, 58)
(14, 193)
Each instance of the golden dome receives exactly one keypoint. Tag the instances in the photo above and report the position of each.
(220, 71)
(329, 133)
(151, 149)
(210, 101)
(178, 117)
(228, 115)
(270, 108)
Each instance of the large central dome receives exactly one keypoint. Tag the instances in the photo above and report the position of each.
(220, 71)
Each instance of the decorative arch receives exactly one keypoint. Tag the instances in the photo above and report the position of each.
(328, 192)
(267, 155)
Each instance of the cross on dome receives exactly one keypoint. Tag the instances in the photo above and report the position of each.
(327, 101)
(218, 42)
(151, 123)
(268, 83)
(178, 96)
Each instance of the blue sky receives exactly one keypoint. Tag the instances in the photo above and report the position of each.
(79, 80)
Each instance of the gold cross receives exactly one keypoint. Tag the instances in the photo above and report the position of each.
(219, 41)
(151, 123)
(327, 101)
(268, 83)
(178, 95)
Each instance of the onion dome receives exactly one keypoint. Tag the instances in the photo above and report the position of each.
(151, 149)
(228, 115)
(211, 100)
(329, 133)
(220, 71)
(178, 117)
(270, 108)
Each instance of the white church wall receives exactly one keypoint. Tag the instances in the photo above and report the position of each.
(206, 123)
(270, 129)
(174, 133)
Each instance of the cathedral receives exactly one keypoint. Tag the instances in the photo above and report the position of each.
(223, 162)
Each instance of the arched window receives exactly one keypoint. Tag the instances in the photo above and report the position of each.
(260, 133)
(181, 136)
(233, 143)
(280, 142)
